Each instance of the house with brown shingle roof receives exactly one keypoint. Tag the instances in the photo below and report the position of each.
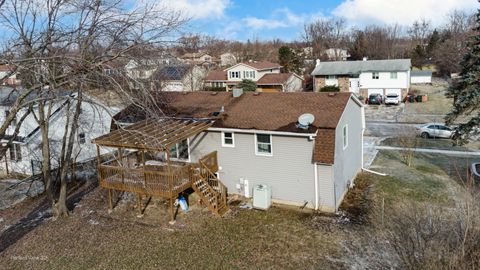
(258, 140)
(265, 74)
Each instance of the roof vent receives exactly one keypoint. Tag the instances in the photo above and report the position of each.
(332, 94)
(305, 120)
(214, 93)
(256, 93)
(317, 63)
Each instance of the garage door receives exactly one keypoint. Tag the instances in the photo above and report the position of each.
(393, 91)
(375, 91)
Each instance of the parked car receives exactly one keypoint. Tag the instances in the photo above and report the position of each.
(434, 130)
(392, 99)
(475, 171)
(375, 99)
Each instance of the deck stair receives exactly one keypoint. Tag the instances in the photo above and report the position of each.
(210, 189)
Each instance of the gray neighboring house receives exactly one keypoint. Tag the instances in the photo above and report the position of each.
(364, 77)
(259, 141)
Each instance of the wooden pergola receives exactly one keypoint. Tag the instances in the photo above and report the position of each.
(137, 167)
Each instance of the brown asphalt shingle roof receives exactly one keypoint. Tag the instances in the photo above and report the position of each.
(261, 111)
(274, 78)
(216, 75)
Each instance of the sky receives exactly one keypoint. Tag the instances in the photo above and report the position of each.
(284, 19)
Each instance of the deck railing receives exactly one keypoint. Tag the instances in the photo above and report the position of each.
(151, 180)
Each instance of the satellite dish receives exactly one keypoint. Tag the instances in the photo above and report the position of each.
(306, 119)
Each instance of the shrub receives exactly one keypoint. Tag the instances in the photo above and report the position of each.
(247, 85)
(330, 88)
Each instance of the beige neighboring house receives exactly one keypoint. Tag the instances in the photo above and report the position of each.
(227, 59)
(199, 59)
(266, 75)
(337, 54)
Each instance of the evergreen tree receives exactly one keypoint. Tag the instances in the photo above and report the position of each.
(432, 43)
(466, 90)
(418, 56)
(247, 85)
(289, 59)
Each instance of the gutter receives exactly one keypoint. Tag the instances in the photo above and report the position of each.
(285, 133)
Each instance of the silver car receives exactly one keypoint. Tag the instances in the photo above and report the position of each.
(434, 130)
(392, 99)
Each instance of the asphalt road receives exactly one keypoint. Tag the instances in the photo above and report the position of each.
(389, 129)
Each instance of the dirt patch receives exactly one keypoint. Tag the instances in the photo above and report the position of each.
(357, 203)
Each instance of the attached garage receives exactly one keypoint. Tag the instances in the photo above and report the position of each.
(394, 91)
(375, 91)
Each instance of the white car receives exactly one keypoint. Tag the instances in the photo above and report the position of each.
(434, 130)
(392, 99)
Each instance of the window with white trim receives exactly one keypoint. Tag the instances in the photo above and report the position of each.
(393, 75)
(331, 77)
(180, 150)
(15, 152)
(228, 139)
(345, 136)
(263, 144)
(375, 75)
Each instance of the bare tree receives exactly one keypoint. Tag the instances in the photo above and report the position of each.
(63, 46)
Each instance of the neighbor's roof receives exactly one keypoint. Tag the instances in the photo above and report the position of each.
(356, 67)
(420, 73)
(259, 65)
(258, 111)
(274, 78)
(172, 73)
(216, 75)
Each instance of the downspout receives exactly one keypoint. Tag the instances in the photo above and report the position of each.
(315, 170)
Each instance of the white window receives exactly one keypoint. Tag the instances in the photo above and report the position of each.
(228, 139)
(81, 138)
(234, 74)
(393, 75)
(263, 144)
(180, 151)
(345, 136)
(375, 75)
(15, 152)
(331, 77)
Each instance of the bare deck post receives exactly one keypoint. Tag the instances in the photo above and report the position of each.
(110, 203)
(139, 203)
(170, 184)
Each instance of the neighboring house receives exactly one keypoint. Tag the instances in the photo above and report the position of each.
(24, 155)
(420, 76)
(227, 59)
(8, 76)
(336, 54)
(199, 59)
(280, 82)
(258, 140)
(141, 69)
(179, 78)
(364, 77)
(255, 71)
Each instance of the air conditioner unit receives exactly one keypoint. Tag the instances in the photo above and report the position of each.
(262, 197)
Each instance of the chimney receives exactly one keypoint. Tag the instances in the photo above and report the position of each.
(365, 58)
(317, 63)
(237, 92)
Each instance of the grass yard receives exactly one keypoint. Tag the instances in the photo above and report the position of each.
(431, 143)
(437, 102)
(280, 238)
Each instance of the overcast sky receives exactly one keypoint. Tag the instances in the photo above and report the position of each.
(266, 19)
